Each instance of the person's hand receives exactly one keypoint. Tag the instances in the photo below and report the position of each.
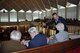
(44, 24)
(23, 42)
(50, 37)
(27, 43)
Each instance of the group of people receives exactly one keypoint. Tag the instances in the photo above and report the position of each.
(37, 39)
(55, 20)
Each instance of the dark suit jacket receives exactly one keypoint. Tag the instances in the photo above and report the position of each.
(62, 20)
(11, 46)
(38, 40)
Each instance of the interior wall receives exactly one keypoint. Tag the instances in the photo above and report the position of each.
(71, 12)
(79, 12)
(61, 12)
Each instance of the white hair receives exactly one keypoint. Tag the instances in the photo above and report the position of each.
(33, 30)
(60, 26)
(15, 35)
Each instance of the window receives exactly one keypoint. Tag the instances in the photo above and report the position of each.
(4, 15)
(48, 13)
(43, 14)
(35, 14)
(61, 11)
(29, 16)
(71, 10)
(21, 15)
(53, 10)
(13, 16)
(40, 15)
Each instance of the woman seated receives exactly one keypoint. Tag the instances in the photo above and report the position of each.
(61, 36)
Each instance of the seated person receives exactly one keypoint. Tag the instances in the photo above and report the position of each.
(14, 44)
(37, 38)
(61, 36)
(46, 22)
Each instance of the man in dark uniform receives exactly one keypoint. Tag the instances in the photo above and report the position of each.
(37, 38)
(57, 19)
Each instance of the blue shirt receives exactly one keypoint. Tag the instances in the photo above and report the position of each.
(59, 37)
(38, 40)
(62, 36)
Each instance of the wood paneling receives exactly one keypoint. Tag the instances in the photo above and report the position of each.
(55, 48)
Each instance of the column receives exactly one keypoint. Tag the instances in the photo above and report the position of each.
(8, 16)
(65, 12)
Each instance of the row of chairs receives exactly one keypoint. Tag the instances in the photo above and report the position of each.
(48, 32)
(73, 29)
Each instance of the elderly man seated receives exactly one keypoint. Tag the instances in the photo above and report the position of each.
(61, 36)
(37, 38)
(14, 44)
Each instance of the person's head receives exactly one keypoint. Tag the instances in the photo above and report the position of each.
(45, 17)
(15, 35)
(55, 16)
(33, 31)
(60, 27)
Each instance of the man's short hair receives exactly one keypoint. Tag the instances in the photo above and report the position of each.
(54, 14)
(60, 26)
(33, 30)
(15, 35)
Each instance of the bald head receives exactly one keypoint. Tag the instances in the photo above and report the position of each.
(60, 26)
(15, 35)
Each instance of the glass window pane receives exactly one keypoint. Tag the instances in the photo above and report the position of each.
(35, 16)
(40, 16)
(21, 16)
(28, 16)
(44, 14)
(61, 12)
(4, 16)
(71, 12)
(49, 13)
(13, 17)
(79, 11)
